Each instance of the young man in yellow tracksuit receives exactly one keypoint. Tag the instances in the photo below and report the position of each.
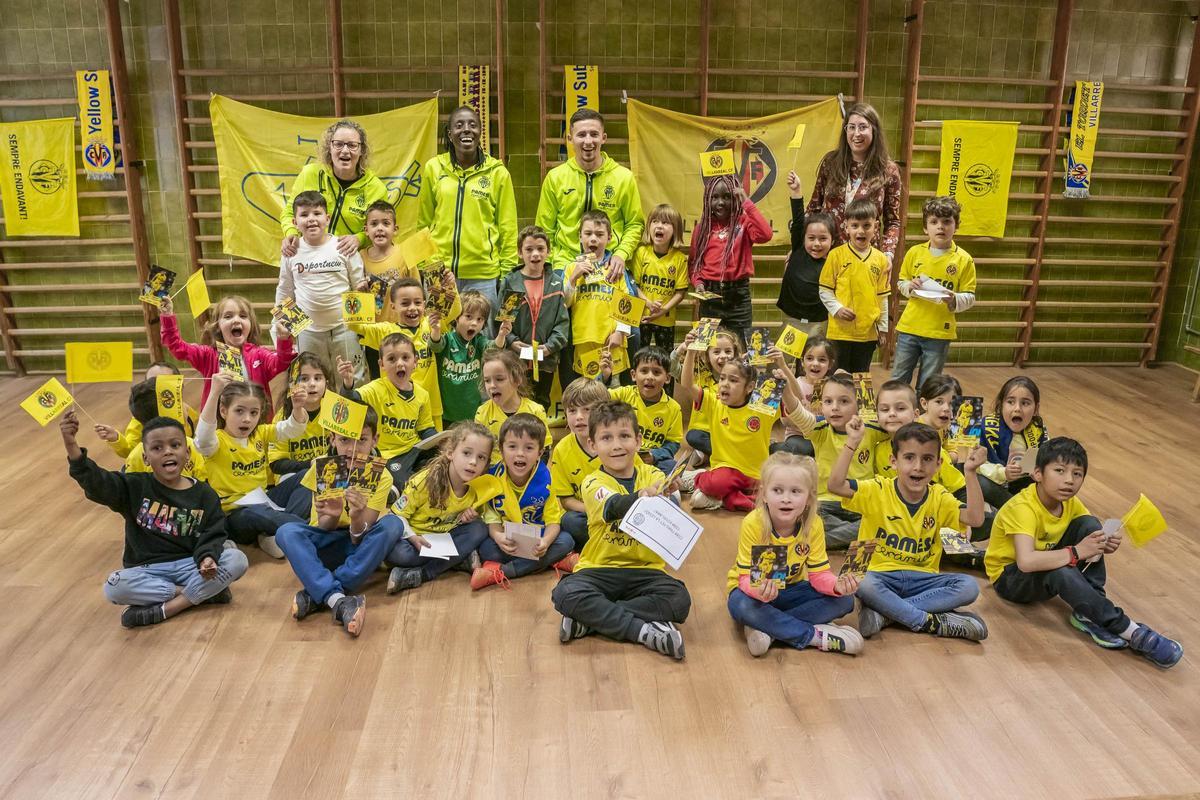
(590, 180)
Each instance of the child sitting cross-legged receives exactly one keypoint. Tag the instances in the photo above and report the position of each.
(620, 587)
(1045, 544)
(174, 527)
(526, 498)
(904, 516)
(799, 613)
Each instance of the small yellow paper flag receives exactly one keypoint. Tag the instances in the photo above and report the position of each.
(169, 390)
(197, 293)
(98, 362)
(791, 342)
(358, 308)
(716, 162)
(797, 138)
(533, 346)
(342, 416)
(1143, 522)
(418, 249)
(47, 402)
(628, 309)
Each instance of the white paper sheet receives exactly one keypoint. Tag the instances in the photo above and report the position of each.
(527, 354)
(663, 527)
(526, 536)
(441, 545)
(258, 497)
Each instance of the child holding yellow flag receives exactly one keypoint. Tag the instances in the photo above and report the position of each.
(123, 443)
(1045, 543)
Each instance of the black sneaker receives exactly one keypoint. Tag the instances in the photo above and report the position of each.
(137, 616)
(401, 578)
(960, 625)
(221, 598)
(303, 605)
(351, 612)
(570, 629)
(1155, 648)
(1101, 636)
(662, 637)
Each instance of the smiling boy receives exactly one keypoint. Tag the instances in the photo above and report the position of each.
(659, 415)
(174, 528)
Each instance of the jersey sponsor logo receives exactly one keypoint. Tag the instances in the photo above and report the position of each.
(659, 282)
(396, 424)
(905, 544)
(243, 468)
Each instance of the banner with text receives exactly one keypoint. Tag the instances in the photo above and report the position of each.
(37, 178)
(976, 168)
(96, 123)
(474, 83)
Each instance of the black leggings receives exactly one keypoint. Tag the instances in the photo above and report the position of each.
(854, 356)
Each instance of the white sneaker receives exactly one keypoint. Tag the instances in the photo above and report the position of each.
(702, 502)
(230, 544)
(838, 639)
(758, 642)
(696, 459)
(687, 480)
(268, 546)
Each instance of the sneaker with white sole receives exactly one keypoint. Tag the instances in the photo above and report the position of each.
(960, 625)
(662, 637)
(838, 639)
(702, 502)
(758, 642)
(687, 480)
(870, 621)
(570, 629)
(267, 545)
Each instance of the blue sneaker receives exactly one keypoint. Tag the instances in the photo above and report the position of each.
(1101, 636)
(1156, 648)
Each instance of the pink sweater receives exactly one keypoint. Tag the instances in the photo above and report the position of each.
(262, 364)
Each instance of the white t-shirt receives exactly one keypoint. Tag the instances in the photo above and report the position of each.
(315, 278)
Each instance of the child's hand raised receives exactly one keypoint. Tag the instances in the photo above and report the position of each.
(855, 431)
(208, 568)
(166, 307)
(504, 330)
(345, 370)
(299, 401)
(795, 188)
(68, 426)
(435, 320)
(106, 432)
(976, 458)
(220, 380)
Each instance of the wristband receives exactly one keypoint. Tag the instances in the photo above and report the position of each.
(1074, 556)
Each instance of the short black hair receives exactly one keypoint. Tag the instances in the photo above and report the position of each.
(383, 207)
(655, 355)
(611, 412)
(938, 385)
(155, 423)
(310, 199)
(371, 420)
(898, 386)
(584, 114)
(522, 424)
(1061, 448)
(143, 401)
(917, 432)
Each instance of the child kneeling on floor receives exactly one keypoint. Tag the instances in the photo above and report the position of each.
(620, 587)
(797, 614)
(1045, 543)
(174, 527)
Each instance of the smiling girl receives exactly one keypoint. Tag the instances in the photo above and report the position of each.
(507, 391)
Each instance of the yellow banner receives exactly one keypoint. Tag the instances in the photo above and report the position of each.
(1084, 125)
(37, 178)
(976, 168)
(169, 389)
(96, 123)
(47, 402)
(474, 82)
(99, 362)
(341, 416)
(581, 89)
(663, 144)
(260, 153)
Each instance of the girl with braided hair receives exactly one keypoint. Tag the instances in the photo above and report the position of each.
(721, 259)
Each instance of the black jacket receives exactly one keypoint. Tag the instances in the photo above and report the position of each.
(554, 321)
(798, 297)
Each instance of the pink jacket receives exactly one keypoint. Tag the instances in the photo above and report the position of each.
(262, 364)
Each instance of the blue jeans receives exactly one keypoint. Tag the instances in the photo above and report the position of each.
(911, 350)
(576, 524)
(153, 584)
(467, 538)
(790, 616)
(327, 562)
(906, 595)
(291, 496)
(517, 567)
(246, 523)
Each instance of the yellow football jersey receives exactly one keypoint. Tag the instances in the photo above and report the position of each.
(947, 475)
(827, 443)
(312, 443)
(1025, 515)
(857, 283)
(400, 418)
(591, 319)
(905, 538)
(415, 506)
(954, 270)
(492, 416)
(235, 470)
(570, 465)
(740, 436)
(660, 422)
(425, 372)
(805, 554)
(660, 277)
(607, 545)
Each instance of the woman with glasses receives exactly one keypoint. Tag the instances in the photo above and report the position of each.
(349, 188)
(859, 169)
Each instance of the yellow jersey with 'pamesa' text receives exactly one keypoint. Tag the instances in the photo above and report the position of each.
(907, 537)
(607, 545)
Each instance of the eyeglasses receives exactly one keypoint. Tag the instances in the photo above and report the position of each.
(353, 147)
(864, 128)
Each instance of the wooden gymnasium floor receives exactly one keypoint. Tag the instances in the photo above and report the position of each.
(450, 693)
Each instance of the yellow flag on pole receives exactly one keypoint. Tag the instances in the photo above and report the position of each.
(797, 141)
(37, 178)
(342, 416)
(716, 162)
(976, 168)
(1143, 522)
(99, 362)
(663, 144)
(47, 402)
(358, 308)
(197, 293)
(169, 389)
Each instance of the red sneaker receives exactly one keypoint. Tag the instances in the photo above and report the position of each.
(567, 563)
(490, 573)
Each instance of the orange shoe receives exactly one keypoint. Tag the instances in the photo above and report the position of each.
(490, 573)
(567, 563)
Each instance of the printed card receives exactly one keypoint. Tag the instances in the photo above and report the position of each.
(768, 562)
(440, 288)
(229, 361)
(760, 344)
(706, 331)
(365, 474)
(767, 396)
(508, 309)
(290, 317)
(377, 285)
(526, 536)
(158, 285)
(333, 478)
(966, 422)
(864, 392)
(703, 294)
(1029, 460)
(956, 542)
(858, 558)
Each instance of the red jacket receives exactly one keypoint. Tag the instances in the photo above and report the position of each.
(262, 364)
(750, 230)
